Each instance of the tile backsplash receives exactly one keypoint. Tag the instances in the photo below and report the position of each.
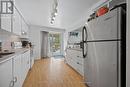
(6, 38)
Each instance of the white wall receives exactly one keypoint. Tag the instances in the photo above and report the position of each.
(128, 45)
(35, 37)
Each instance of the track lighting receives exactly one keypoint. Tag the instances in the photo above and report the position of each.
(54, 12)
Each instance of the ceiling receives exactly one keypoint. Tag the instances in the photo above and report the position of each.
(38, 12)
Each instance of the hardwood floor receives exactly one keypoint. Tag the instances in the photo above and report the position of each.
(52, 73)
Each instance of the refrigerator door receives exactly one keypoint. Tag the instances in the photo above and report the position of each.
(106, 27)
(101, 64)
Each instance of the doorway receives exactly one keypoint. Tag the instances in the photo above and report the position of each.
(55, 41)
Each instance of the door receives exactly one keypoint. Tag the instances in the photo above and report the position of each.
(25, 63)
(55, 43)
(17, 71)
(106, 27)
(87, 60)
(16, 22)
(6, 77)
(6, 18)
(102, 59)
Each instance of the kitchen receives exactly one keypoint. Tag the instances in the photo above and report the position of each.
(32, 55)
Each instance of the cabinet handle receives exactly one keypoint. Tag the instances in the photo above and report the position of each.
(77, 56)
(77, 62)
(11, 84)
(15, 79)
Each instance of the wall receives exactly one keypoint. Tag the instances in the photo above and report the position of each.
(7, 38)
(128, 45)
(35, 37)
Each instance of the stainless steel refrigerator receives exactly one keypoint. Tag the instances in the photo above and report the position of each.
(104, 50)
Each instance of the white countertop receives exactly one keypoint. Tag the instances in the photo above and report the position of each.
(10, 56)
(77, 49)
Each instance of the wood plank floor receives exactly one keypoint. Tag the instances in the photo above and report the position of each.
(52, 73)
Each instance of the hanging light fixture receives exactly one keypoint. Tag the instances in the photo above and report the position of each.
(54, 12)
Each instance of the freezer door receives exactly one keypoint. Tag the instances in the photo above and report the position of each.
(106, 27)
(101, 64)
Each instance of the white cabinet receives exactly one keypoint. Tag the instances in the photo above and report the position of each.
(6, 79)
(75, 59)
(17, 75)
(21, 66)
(14, 71)
(24, 29)
(25, 63)
(16, 22)
(6, 20)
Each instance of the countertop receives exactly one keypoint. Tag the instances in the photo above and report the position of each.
(77, 49)
(10, 56)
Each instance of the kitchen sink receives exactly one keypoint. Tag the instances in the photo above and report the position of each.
(5, 53)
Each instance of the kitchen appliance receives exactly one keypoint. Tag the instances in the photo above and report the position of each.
(25, 43)
(104, 50)
(16, 45)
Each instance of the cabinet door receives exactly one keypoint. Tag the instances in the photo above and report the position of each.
(16, 22)
(6, 22)
(17, 71)
(23, 64)
(25, 60)
(6, 19)
(24, 29)
(28, 60)
(6, 79)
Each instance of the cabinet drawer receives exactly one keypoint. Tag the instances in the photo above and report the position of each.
(79, 68)
(78, 60)
(76, 66)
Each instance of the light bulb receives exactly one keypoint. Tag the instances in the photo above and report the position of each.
(53, 18)
(55, 13)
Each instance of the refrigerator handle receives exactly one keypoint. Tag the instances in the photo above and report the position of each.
(84, 41)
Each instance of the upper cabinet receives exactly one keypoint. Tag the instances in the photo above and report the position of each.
(6, 17)
(75, 36)
(12, 22)
(6, 22)
(16, 22)
(24, 29)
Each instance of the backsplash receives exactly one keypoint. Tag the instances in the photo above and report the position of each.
(6, 38)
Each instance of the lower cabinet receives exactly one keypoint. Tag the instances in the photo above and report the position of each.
(17, 75)
(25, 63)
(14, 71)
(6, 77)
(75, 60)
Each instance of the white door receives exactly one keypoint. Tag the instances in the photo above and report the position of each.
(6, 22)
(25, 62)
(17, 71)
(6, 77)
(16, 22)
(6, 19)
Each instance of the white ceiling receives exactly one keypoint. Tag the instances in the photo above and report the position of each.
(38, 12)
